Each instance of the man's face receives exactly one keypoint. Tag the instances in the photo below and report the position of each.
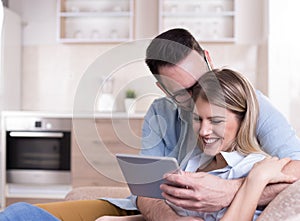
(176, 79)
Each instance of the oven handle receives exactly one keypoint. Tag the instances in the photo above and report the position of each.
(37, 134)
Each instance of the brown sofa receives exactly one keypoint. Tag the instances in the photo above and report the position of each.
(286, 206)
(94, 192)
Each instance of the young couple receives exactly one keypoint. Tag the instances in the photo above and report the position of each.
(231, 132)
(224, 120)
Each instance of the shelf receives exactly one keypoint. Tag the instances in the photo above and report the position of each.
(95, 14)
(85, 115)
(93, 21)
(207, 20)
(203, 14)
(37, 191)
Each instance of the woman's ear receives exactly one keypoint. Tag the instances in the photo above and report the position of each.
(208, 59)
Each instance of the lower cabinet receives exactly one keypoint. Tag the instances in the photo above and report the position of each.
(93, 151)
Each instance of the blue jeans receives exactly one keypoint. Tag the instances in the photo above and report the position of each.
(25, 212)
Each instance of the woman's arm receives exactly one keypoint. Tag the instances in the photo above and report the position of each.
(272, 190)
(245, 202)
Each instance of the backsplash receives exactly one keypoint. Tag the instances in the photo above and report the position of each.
(51, 84)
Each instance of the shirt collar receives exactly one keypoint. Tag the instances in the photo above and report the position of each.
(232, 158)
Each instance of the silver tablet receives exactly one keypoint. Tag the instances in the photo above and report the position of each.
(144, 174)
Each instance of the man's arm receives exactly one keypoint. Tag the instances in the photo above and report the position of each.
(274, 133)
(207, 193)
(156, 210)
(160, 129)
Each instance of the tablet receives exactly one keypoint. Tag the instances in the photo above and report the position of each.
(144, 174)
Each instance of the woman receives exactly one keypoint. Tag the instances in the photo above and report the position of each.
(224, 120)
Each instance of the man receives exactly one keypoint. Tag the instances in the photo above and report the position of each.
(177, 61)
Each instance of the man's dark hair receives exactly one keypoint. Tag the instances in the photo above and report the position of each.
(169, 48)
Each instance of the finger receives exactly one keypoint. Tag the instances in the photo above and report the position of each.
(284, 161)
(176, 179)
(184, 203)
(188, 204)
(282, 178)
(178, 192)
(288, 178)
(184, 179)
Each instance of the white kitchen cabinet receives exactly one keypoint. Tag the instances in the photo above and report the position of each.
(92, 21)
(93, 158)
(208, 20)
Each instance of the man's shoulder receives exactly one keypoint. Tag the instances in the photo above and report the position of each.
(164, 104)
(162, 107)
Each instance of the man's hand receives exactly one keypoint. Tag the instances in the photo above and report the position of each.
(199, 191)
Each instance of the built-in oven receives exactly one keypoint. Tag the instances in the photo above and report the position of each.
(38, 150)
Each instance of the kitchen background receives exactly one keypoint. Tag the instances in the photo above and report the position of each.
(265, 40)
(41, 72)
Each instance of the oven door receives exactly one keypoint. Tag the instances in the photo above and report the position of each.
(38, 156)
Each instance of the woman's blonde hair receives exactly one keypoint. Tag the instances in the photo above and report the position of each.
(229, 89)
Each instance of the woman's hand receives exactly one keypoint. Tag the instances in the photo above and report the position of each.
(269, 170)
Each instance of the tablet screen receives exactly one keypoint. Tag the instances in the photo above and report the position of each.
(144, 174)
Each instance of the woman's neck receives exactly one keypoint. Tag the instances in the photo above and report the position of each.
(217, 162)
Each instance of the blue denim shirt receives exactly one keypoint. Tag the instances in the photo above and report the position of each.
(166, 132)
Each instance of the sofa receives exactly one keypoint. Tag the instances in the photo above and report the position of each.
(95, 192)
(285, 206)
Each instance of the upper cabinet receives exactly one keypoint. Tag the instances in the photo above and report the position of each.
(208, 20)
(94, 21)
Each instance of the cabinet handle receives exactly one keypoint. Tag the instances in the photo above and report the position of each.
(37, 134)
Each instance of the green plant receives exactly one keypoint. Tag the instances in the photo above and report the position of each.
(130, 93)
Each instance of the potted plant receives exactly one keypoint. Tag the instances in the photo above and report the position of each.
(130, 98)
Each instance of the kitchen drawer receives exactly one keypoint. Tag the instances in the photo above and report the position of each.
(94, 163)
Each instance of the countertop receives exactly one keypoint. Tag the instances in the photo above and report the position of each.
(96, 115)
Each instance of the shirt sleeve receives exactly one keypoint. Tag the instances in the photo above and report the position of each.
(161, 129)
(275, 135)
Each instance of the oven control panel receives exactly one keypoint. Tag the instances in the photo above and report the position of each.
(38, 124)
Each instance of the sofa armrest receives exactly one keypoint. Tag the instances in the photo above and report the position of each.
(285, 206)
(95, 192)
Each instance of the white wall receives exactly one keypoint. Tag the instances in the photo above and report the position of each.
(10, 59)
(284, 59)
(52, 71)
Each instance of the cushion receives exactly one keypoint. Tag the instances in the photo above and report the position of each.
(285, 206)
(95, 192)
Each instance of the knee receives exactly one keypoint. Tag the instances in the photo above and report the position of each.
(19, 207)
(26, 211)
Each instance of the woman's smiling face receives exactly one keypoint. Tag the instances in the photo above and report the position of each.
(216, 127)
